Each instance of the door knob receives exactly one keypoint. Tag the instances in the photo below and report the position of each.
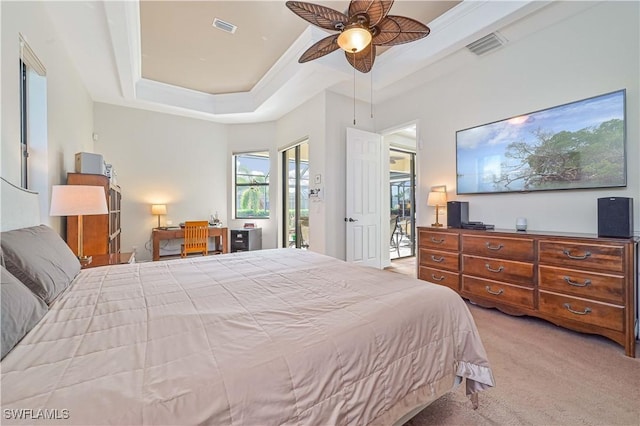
(352, 219)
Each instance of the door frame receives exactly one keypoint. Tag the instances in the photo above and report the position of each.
(386, 192)
(284, 237)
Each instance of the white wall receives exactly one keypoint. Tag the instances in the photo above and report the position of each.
(324, 120)
(69, 106)
(151, 153)
(591, 53)
(307, 122)
(163, 159)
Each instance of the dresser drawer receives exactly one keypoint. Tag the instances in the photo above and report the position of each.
(500, 292)
(602, 257)
(502, 247)
(582, 310)
(498, 269)
(440, 260)
(439, 240)
(436, 276)
(591, 285)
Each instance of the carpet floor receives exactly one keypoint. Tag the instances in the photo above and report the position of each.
(545, 375)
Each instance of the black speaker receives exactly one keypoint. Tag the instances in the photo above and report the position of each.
(457, 213)
(615, 217)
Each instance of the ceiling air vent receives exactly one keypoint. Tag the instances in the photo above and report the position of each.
(224, 26)
(487, 44)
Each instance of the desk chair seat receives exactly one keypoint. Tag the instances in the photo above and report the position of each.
(196, 238)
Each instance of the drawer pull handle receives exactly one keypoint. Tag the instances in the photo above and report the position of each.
(576, 284)
(495, 293)
(490, 269)
(440, 278)
(568, 308)
(437, 259)
(568, 254)
(495, 248)
(434, 240)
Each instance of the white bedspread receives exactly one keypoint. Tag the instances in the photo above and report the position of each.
(259, 338)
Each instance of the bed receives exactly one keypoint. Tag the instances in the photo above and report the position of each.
(281, 336)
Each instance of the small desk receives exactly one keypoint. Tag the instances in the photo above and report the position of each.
(220, 235)
(109, 259)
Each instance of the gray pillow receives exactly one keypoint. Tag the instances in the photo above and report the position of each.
(21, 311)
(40, 259)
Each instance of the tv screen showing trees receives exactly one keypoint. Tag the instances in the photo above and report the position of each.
(576, 145)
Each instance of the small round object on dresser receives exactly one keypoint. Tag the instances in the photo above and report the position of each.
(521, 224)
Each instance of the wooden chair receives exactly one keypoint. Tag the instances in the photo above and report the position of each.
(394, 231)
(196, 238)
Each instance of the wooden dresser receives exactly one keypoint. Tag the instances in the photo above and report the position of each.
(577, 281)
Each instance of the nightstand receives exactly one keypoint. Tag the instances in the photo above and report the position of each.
(246, 239)
(110, 259)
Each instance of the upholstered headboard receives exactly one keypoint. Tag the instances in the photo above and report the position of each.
(19, 207)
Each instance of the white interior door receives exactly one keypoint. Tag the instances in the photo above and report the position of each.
(364, 206)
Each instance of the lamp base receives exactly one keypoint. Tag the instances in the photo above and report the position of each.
(85, 260)
(437, 225)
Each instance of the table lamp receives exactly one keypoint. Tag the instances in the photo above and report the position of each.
(159, 209)
(78, 200)
(437, 199)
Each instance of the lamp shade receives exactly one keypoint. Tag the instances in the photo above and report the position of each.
(158, 209)
(76, 200)
(354, 38)
(437, 198)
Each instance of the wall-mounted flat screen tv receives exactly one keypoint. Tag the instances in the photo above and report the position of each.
(577, 145)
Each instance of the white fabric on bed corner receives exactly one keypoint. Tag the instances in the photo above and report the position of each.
(268, 337)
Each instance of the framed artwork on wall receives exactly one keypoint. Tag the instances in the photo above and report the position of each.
(577, 145)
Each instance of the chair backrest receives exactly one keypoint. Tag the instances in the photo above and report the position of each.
(196, 237)
(393, 223)
(405, 226)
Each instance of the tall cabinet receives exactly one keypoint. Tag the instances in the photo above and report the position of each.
(101, 233)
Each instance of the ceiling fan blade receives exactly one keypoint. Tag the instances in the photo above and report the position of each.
(323, 17)
(376, 9)
(394, 30)
(363, 60)
(321, 48)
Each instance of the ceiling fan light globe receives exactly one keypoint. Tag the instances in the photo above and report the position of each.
(354, 38)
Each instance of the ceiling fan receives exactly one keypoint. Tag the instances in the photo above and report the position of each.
(365, 25)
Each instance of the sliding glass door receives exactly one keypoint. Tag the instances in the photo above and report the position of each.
(296, 196)
(402, 204)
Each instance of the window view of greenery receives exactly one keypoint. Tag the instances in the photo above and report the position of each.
(252, 185)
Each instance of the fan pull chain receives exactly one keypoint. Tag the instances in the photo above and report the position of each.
(371, 81)
(354, 88)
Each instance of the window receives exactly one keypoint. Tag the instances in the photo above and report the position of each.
(252, 185)
(24, 151)
(33, 120)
